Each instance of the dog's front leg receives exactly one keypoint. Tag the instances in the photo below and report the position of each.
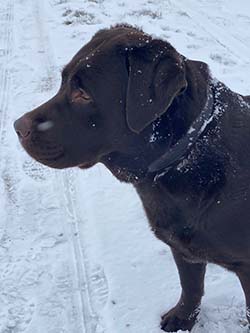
(183, 315)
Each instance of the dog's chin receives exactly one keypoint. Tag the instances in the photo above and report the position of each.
(57, 162)
(62, 162)
(86, 165)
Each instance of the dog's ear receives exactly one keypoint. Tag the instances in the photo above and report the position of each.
(156, 76)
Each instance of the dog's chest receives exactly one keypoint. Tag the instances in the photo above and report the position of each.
(192, 244)
(184, 235)
(182, 224)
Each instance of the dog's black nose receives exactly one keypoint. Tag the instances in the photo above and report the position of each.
(23, 127)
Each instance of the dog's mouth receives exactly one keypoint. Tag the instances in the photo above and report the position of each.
(47, 153)
(53, 155)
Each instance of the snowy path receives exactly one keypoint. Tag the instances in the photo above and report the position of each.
(43, 277)
(62, 268)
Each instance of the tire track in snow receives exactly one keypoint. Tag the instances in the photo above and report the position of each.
(12, 318)
(6, 47)
(90, 319)
(88, 280)
(5, 112)
(16, 313)
(240, 50)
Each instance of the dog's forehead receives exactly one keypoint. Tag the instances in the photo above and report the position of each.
(102, 45)
(102, 50)
(89, 63)
(119, 32)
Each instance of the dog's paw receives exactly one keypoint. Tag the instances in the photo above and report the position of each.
(175, 320)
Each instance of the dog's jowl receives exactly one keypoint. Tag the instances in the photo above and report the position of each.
(161, 122)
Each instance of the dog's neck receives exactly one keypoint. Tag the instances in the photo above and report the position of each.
(180, 149)
(196, 107)
(171, 133)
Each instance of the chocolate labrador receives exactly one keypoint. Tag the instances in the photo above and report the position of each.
(161, 122)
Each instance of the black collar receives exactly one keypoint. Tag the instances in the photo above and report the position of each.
(179, 150)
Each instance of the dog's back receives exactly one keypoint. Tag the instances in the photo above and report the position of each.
(247, 98)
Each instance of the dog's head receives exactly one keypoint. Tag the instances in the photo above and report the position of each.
(111, 91)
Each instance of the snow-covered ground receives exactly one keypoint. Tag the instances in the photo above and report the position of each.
(62, 269)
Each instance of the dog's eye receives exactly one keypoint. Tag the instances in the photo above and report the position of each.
(80, 95)
(84, 95)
